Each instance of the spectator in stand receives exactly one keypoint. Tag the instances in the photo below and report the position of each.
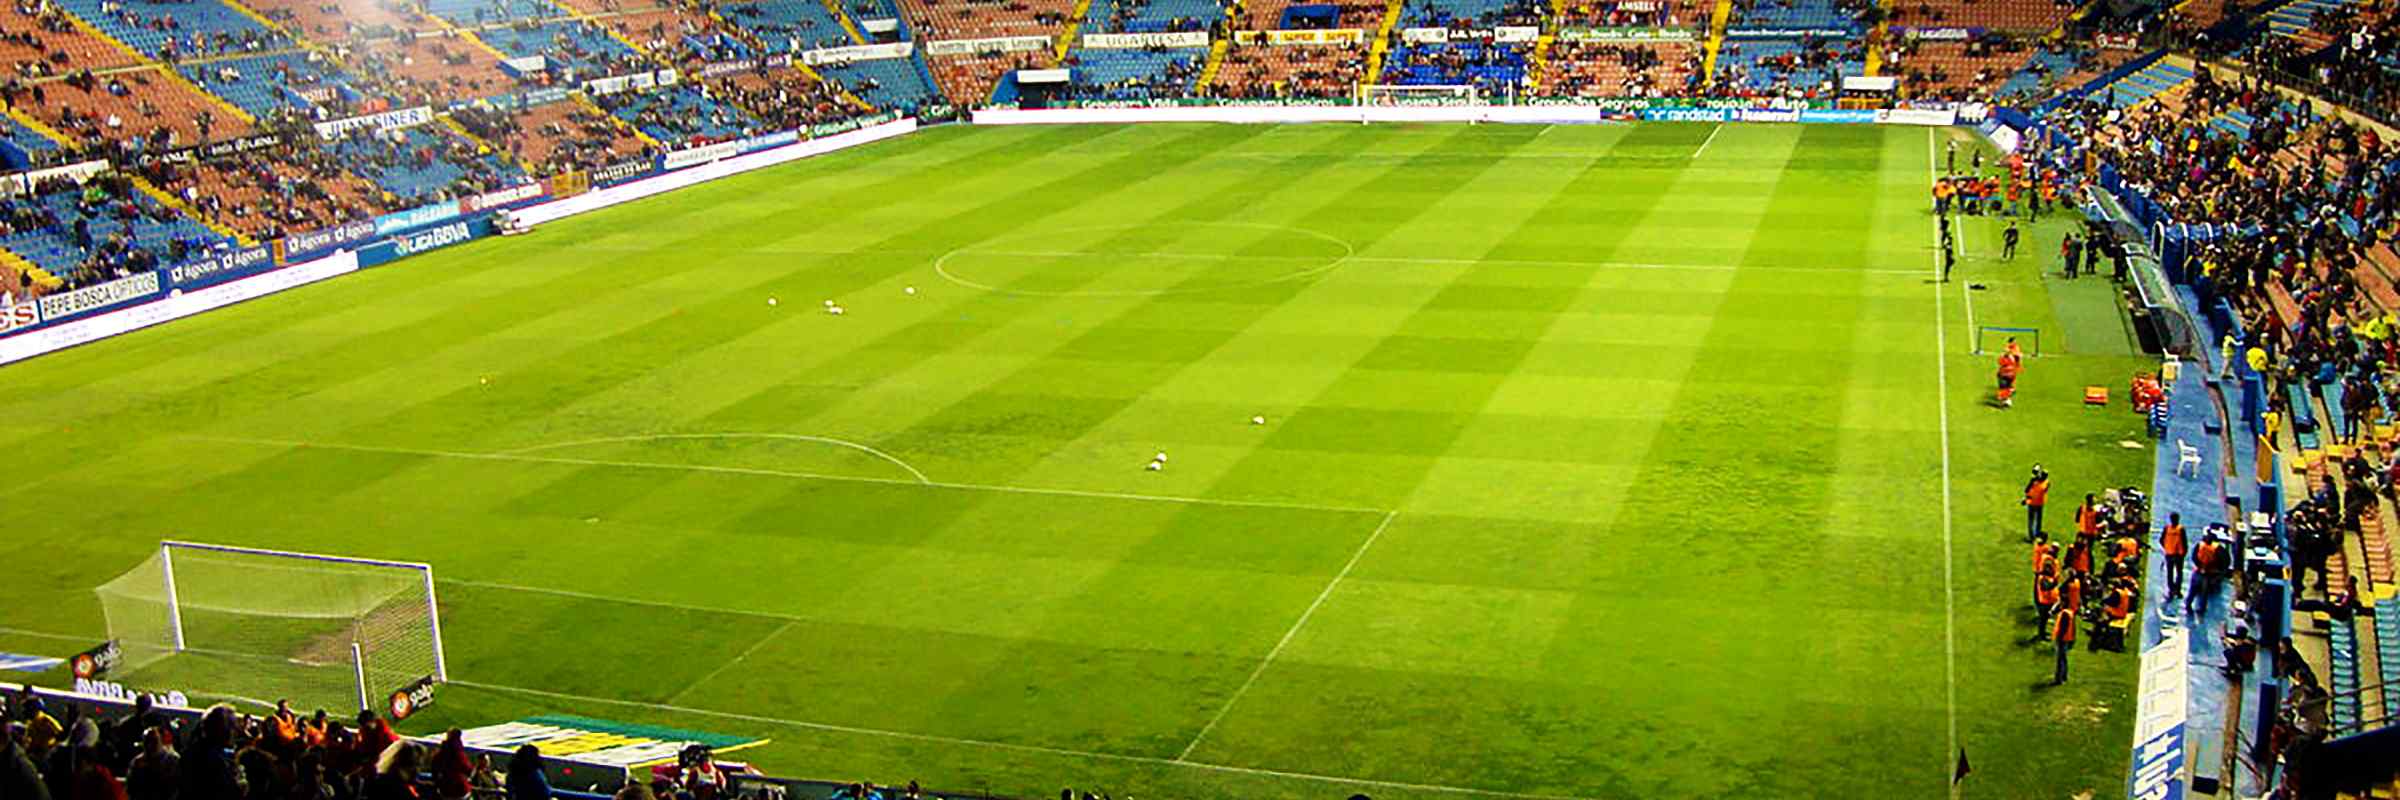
(525, 778)
(207, 769)
(156, 774)
(19, 778)
(453, 771)
(396, 773)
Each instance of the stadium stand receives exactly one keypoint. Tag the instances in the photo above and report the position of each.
(1621, 69)
(885, 83)
(553, 138)
(425, 70)
(1800, 66)
(477, 13)
(268, 197)
(1489, 65)
(414, 166)
(1135, 74)
(1261, 70)
(273, 85)
(324, 21)
(1799, 14)
(2029, 16)
(965, 19)
(127, 110)
(103, 229)
(678, 113)
(790, 26)
(1151, 16)
(39, 41)
(177, 30)
(574, 50)
(1632, 14)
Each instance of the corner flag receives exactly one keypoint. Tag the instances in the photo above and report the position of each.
(1960, 774)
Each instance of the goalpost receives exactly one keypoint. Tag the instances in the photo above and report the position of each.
(321, 630)
(1994, 338)
(1380, 95)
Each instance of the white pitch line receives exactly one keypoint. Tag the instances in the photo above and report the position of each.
(1941, 371)
(827, 727)
(1712, 138)
(1419, 260)
(745, 656)
(671, 437)
(1966, 290)
(1261, 669)
(778, 473)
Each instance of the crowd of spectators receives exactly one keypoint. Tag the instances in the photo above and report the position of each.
(2308, 201)
(101, 219)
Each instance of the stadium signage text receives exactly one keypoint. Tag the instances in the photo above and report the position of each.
(403, 118)
(2160, 712)
(220, 267)
(435, 239)
(19, 314)
(744, 65)
(408, 700)
(97, 661)
(112, 691)
(1129, 41)
(1942, 34)
(67, 304)
(1786, 33)
(620, 171)
(496, 199)
(996, 44)
(1626, 35)
(23, 182)
(639, 80)
(415, 217)
(335, 236)
(597, 741)
(1302, 38)
(858, 52)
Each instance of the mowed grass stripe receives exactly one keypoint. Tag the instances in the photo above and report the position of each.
(465, 303)
(1521, 640)
(998, 703)
(1353, 654)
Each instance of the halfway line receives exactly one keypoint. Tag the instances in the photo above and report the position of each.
(1287, 637)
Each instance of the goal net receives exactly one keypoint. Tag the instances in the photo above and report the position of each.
(1416, 96)
(1994, 339)
(266, 624)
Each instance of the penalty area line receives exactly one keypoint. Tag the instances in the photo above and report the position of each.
(1712, 139)
(825, 727)
(1286, 641)
(779, 473)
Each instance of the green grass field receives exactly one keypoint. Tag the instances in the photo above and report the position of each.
(1599, 462)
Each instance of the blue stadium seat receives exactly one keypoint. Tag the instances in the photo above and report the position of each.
(265, 85)
(1106, 74)
(201, 26)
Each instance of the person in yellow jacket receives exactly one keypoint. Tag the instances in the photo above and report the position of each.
(2257, 359)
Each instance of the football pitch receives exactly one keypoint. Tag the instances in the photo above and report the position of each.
(1607, 461)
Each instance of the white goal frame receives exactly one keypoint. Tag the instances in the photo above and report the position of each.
(433, 609)
(1405, 95)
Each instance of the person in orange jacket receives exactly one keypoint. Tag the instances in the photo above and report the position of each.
(2171, 549)
(2037, 493)
(2011, 364)
(2062, 636)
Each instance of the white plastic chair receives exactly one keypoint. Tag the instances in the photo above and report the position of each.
(2186, 456)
